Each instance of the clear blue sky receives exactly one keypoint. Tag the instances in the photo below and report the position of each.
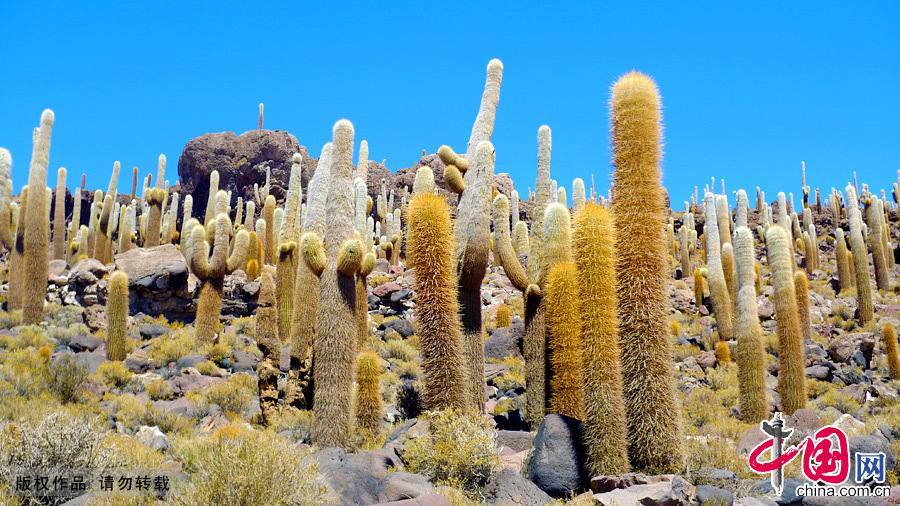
(747, 91)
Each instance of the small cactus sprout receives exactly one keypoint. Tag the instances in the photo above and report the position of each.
(369, 406)
(698, 286)
(37, 226)
(791, 375)
(503, 316)
(59, 216)
(654, 431)
(211, 271)
(117, 316)
(723, 353)
(889, 334)
(860, 258)
(750, 354)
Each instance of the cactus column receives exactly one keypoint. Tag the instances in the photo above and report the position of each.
(750, 352)
(654, 429)
(37, 226)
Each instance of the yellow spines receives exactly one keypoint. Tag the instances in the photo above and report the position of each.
(729, 273)
(723, 353)
(37, 226)
(430, 252)
(16, 257)
(758, 280)
(369, 406)
(449, 157)
(155, 198)
(791, 375)
(59, 216)
(564, 329)
(254, 254)
(252, 268)
(593, 241)
(801, 289)
(654, 428)
(698, 286)
(502, 317)
(889, 334)
(284, 279)
(749, 353)
(350, 257)
(313, 253)
(454, 179)
(117, 317)
(503, 244)
(841, 260)
(268, 213)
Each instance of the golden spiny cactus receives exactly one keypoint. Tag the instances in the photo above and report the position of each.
(889, 334)
(841, 260)
(59, 216)
(654, 429)
(750, 354)
(156, 199)
(860, 259)
(117, 317)
(564, 330)
(502, 317)
(211, 271)
(269, 246)
(431, 254)
(369, 406)
(791, 375)
(801, 289)
(604, 422)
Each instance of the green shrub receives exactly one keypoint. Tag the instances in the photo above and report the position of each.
(159, 390)
(233, 395)
(66, 377)
(26, 370)
(248, 467)
(458, 450)
(114, 374)
(399, 350)
(171, 347)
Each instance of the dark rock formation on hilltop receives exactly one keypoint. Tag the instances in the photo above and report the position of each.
(241, 162)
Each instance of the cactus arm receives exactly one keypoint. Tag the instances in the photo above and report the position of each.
(313, 252)
(239, 251)
(503, 245)
(350, 257)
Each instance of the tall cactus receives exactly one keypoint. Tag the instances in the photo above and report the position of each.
(7, 225)
(791, 375)
(37, 229)
(860, 258)
(875, 223)
(156, 198)
(751, 357)
(211, 271)
(270, 346)
(654, 435)
(841, 260)
(59, 216)
(117, 316)
(369, 406)
(288, 249)
(889, 334)
(801, 290)
(718, 289)
(334, 345)
(604, 422)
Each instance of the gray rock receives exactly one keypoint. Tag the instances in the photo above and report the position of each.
(91, 359)
(669, 493)
(181, 406)
(352, 482)
(870, 444)
(422, 500)
(380, 462)
(556, 465)
(714, 496)
(152, 437)
(505, 342)
(402, 326)
(400, 486)
(137, 362)
(151, 330)
(516, 440)
(602, 484)
(84, 342)
(244, 361)
(157, 281)
(819, 372)
(509, 488)
(189, 361)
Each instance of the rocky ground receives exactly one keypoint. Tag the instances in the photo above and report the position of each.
(171, 395)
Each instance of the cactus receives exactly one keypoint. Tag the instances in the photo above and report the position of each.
(719, 291)
(520, 239)
(37, 226)
(889, 334)
(750, 354)
(102, 232)
(507, 254)
(791, 375)
(287, 251)
(723, 216)
(801, 290)
(875, 222)
(698, 286)
(270, 345)
(578, 197)
(723, 353)
(424, 181)
(268, 238)
(117, 316)
(860, 258)
(306, 287)
(502, 316)
(7, 223)
(369, 408)
(561, 196)
(604, 420)
(211, 271)
(210, 213)
(654, 429)
(431, 254)
(729, 272)
(59, 216)
(156, 198)
(565, 344)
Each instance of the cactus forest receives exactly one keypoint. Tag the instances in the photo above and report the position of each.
(285, 325)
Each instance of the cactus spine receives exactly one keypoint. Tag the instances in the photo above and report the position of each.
(37, 229)
(270, 346)
(791, 376)
(801, 289)
(334, 345)
(287, 250)
(841, 260)
(502, 316)
(59, 216)
(718, 288)
(653, 421)
(889, 334)
(564, 329)
(751, 358)
(117, 316)
(369, 406)
(211, 271)
(860, 258)
(604, 420)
